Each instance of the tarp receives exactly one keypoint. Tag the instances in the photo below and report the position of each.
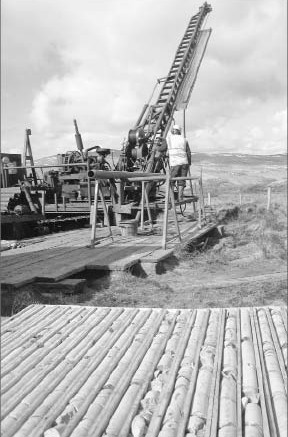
(188, 84)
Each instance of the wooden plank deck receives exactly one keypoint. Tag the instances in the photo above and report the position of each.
(59, 256)
(92, 371)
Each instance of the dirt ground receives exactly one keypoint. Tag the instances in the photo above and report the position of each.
(246, 267)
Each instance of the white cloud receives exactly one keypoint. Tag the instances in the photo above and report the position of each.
(250, 133)
(98, 62)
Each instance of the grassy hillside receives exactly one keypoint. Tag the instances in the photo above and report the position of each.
(224, 171)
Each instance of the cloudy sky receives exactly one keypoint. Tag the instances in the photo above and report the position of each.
(98, 61)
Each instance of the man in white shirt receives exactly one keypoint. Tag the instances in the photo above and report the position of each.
(179, 156)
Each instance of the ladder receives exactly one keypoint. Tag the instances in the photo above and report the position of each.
(157, 120)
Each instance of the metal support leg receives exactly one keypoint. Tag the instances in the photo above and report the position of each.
(94, 211)
(43, 202)
(105, 212)
(191, 189)
(174, 212)
(142, 205)
(56, 201)
(165, 218)
(148, 209)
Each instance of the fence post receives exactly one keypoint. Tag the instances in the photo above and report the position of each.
(268, 198)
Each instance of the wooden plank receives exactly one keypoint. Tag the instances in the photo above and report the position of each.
(59, 245)
(119, 265)
(13, 218)
(265, 401)
(156, 256)
(46, 266)
(82, 370)
(195, 233)
(277, 347)
(76, 263)
(61, 262)
(65, 286)
(55, 240)
(214, 402)
(112, 259)
(181, 431)
(58, 257)
(124, 261)
(239, 375)
(33, 262)
(17, 281)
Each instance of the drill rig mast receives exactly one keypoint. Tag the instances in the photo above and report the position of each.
(139, 152)
(155, 120)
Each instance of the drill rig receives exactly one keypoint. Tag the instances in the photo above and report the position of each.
(153, 124)
(140, 152)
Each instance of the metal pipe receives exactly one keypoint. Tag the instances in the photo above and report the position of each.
(107, 174)
(184, 123)
(161, 178)
(78, 138)
(134, 176)
(50, 166)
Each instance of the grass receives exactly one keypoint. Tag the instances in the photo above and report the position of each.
(253, 246)
(211, 273)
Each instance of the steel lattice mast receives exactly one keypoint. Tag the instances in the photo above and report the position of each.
(156, 119)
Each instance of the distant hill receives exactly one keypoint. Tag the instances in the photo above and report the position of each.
(224, 169)
(239, 159)
(206, 158)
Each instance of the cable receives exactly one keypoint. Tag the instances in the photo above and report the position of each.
(182, 211)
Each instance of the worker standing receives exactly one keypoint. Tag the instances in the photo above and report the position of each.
(179, 157)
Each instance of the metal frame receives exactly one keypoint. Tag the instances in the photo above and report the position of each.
(143, 178)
